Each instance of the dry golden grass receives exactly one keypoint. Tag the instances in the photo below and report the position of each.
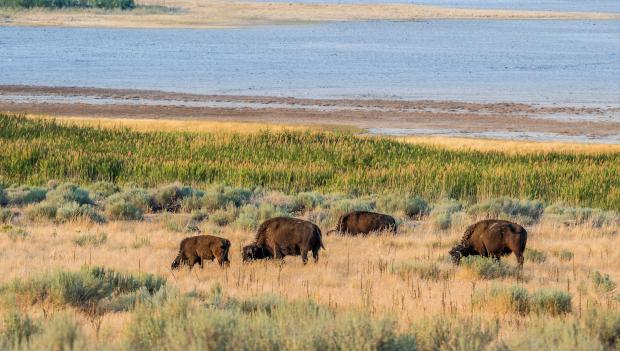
(353, 273)
(219, 14)
(200, 126)
(511, 146)
(177, 125)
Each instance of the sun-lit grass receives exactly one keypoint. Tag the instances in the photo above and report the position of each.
(406, 281)
(35, 151)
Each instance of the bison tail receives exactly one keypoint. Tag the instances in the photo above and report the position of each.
(332, 231)
(176, 263)
(524, 240)
(320, 235)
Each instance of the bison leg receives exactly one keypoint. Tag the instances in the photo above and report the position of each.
(315, 255)
(304, 255)
(277, 253)
(520, 259)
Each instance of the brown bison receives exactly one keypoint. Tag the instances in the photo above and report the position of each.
(364, 222)
(491, 237)
(198, 248)
(282, 236)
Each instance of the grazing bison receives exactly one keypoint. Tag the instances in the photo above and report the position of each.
(282, 236)
(363, 222)
(491, 237)
(196, 249)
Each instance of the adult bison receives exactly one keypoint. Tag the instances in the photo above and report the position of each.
(198, 248)
(491, 237)
(282, 236)
(364, 222)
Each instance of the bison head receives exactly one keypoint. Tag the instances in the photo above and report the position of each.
(254, 252)
(457, 253)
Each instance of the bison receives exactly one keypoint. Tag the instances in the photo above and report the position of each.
(491, 237)
(281, 236)
(364, 222)
(198, 248)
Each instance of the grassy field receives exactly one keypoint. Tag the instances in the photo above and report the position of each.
(35, 151)
(86, 266)
(380, 292)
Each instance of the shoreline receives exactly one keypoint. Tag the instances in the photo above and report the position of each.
(214, 14)
(508, 121)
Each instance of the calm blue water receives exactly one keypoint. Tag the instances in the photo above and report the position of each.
(543, 5)
(528, 61)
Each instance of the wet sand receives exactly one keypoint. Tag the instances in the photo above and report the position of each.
(226, 14)
(387, 117)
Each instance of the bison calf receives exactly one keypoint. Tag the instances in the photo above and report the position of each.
(196, 249)
(283, 236)
(491, 238)
(363, 222)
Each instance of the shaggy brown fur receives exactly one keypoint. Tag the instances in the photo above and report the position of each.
(196, 249)
(363, 222)
(491, 238)
(283, 236)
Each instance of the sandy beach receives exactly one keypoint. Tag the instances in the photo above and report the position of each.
(226, 14)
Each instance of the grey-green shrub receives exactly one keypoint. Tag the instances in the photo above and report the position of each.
(251, 216)
(310, 200)
(530, 210)
(581, 215)
(603, 283)
(103, 190)
(536, 256)
(62, 332)
(72, 211)
(218, 197)
(550, 301)
(442, 333)
(6, 215)
(423, 270)
(390, 203)
(88, 239)
(501, 298)
(17, 331)
(224, 216)
(557, 334)
(604, 324)
(168, 322)
(563, 255)
(416, 207)
(43, 210)
(171, 197)
(81, 289)
(24, 195)
(488, 268)
(192, 203)
(68, 192)
(130, 204)
(442, 213)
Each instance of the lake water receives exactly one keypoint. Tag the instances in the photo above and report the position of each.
(569, 62)
(542, 5)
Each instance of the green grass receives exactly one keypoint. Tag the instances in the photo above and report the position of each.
(34, 151)
(57, 4)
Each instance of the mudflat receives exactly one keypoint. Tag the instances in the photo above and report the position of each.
(390, 117)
